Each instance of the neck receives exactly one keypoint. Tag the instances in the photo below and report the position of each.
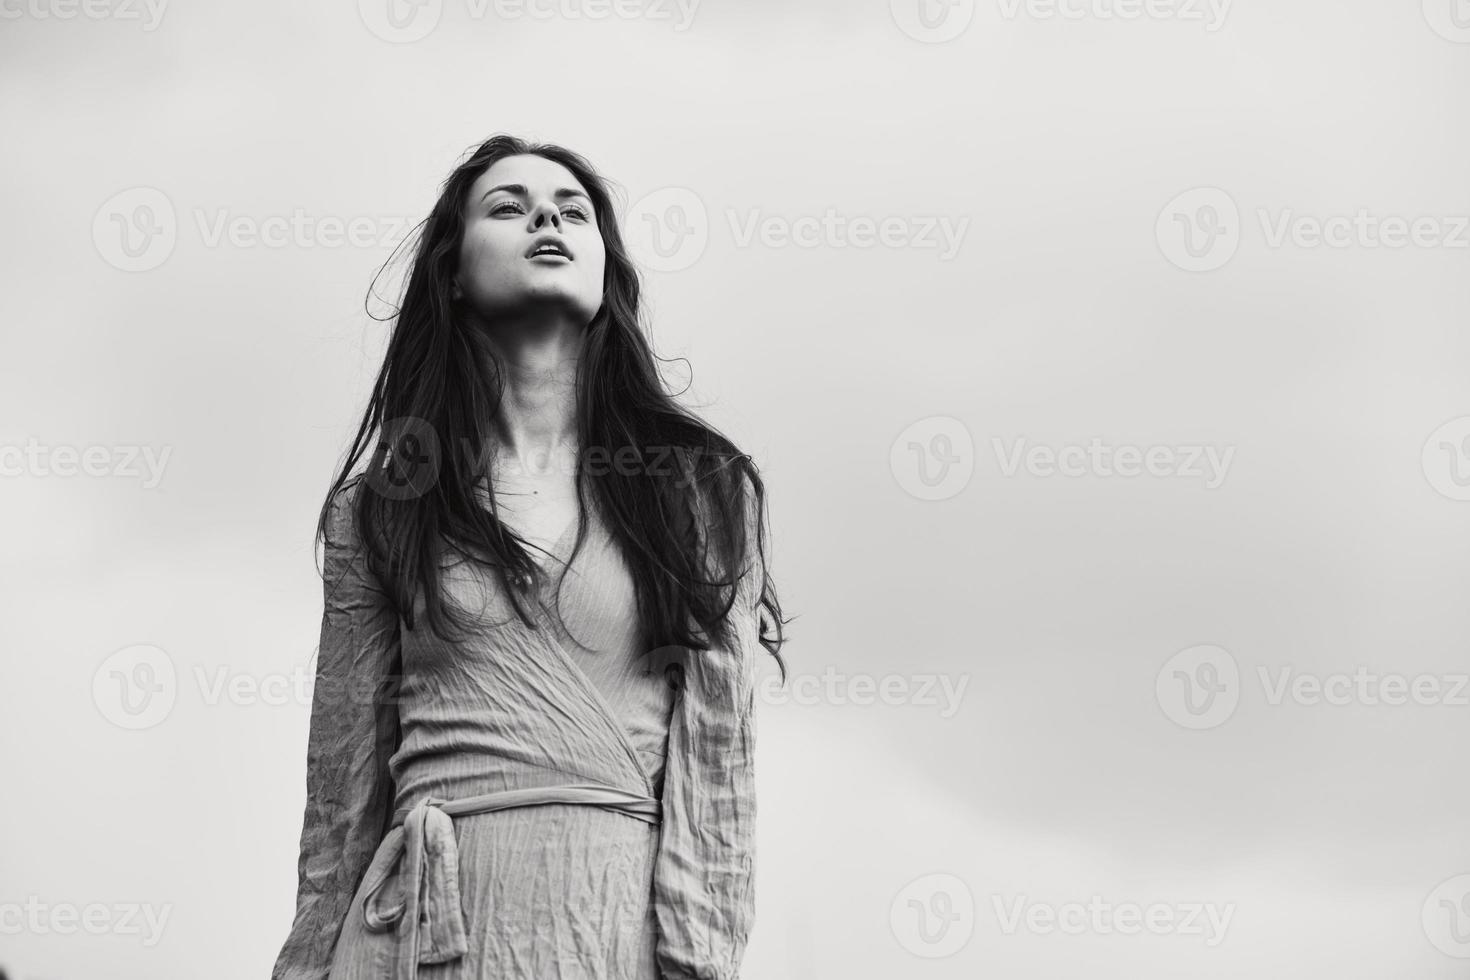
(535, 425)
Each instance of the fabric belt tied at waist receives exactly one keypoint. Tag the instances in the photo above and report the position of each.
(431, 927)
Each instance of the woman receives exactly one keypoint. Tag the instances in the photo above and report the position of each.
(524, 767)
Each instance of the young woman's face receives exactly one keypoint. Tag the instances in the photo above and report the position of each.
(516, 205)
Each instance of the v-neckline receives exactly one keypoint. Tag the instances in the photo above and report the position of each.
(594, 694)
(550, 634)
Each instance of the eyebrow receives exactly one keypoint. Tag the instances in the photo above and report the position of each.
(561, 193)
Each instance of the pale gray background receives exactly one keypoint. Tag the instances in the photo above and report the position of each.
(1333, 834)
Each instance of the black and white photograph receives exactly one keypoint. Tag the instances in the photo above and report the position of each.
(696, 490)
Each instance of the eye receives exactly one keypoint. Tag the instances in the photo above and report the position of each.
(503, 205)
(577, 210)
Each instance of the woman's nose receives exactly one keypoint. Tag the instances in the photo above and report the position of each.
(545, 212)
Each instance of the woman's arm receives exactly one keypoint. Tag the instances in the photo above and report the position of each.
(354, 732)
(704, 875)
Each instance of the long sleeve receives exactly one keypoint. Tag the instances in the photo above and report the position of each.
(354, 731)
(704, 894)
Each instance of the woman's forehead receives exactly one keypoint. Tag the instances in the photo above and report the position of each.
(536, 173)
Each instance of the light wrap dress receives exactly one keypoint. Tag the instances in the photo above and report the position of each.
(553, 891)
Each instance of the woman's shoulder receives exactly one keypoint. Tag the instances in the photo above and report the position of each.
(341, 523)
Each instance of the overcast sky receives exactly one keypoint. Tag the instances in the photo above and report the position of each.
(949, 278)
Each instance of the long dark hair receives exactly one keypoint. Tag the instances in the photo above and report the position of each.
(686, 507)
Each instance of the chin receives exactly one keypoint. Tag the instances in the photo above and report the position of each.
(581, 308)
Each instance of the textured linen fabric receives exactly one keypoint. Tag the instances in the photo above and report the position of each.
(548, 892)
